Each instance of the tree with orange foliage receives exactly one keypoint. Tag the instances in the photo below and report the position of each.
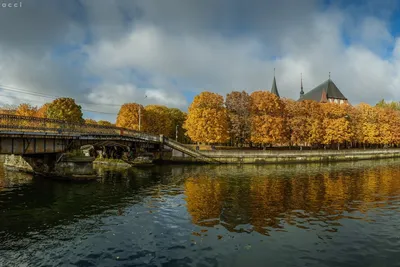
(128, 116)
(369, 124)
(157, 120)
(304, 122)
(314, 122)
(268, 119)
(8, 109)
(389, 125)
(238, 107)
(207, 119)
(42, 111)
(26, 110)
(336, 124)
(297, 121)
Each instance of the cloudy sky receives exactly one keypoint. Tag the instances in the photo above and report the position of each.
(105, 53)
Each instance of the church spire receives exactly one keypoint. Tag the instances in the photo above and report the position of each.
(301, 83)
(274, 88)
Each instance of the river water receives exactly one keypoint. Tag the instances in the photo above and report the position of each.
(341, 214)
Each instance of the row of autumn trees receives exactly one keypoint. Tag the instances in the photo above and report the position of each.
(258, 119)
(262, 119)
(60, 109)
(154, 119)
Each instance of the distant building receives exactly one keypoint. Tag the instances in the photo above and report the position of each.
(274, 88)
(324, 93)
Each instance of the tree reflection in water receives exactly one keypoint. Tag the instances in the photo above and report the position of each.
(260, 198)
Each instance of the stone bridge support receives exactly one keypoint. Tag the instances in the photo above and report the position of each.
(60, 165)
(42, 163)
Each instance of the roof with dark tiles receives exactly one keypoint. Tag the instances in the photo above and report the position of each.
(328, 87)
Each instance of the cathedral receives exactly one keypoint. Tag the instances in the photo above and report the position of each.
(324, 93)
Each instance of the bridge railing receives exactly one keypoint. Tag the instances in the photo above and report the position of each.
(15, 123)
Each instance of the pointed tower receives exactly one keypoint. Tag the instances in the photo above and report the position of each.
(301, 86)
(274, 89)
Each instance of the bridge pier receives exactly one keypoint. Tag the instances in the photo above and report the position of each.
(59, 165)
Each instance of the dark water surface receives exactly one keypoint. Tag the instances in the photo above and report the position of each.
(342, 214)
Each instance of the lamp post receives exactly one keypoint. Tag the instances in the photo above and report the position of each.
(176, 132)
(140, 116)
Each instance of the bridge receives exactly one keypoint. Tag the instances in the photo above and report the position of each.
(40, 141)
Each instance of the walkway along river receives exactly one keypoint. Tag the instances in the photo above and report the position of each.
(336, 214)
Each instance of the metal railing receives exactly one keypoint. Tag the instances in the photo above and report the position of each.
(180, 147)
(24, 124)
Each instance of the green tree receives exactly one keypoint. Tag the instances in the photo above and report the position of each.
(104, 123)
(178, 118)
(65, 109)
(392, 105)
(157, 120)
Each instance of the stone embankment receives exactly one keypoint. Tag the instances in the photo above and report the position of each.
(288, 156)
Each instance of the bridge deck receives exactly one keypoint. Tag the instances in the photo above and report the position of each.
(31, 135)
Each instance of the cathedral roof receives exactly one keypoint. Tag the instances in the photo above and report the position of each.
(326, 89)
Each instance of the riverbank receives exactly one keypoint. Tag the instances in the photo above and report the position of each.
(17, 163)
(287, 156)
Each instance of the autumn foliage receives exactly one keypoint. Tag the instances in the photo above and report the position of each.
(268, 119)
(264, 119)
(42, 111)
(259, 119)
(26, 110)
(65, 109)
(90, 121)
(207, 119)
(104, 123)
(238, 106)
(157, 120)
(128, 116)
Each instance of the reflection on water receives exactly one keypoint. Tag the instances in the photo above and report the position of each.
(343, 214)
(299, 195)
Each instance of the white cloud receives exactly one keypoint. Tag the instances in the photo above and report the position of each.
(172, 48)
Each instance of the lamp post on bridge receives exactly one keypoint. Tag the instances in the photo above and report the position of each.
(140, 116)
(176, 132)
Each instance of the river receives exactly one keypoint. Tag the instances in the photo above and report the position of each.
(339, 214)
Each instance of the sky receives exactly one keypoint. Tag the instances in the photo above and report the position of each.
(104, 53)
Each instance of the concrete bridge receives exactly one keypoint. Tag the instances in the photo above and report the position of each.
(41, 142)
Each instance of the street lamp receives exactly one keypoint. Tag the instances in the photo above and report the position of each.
(140, 116)
(176, 132)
